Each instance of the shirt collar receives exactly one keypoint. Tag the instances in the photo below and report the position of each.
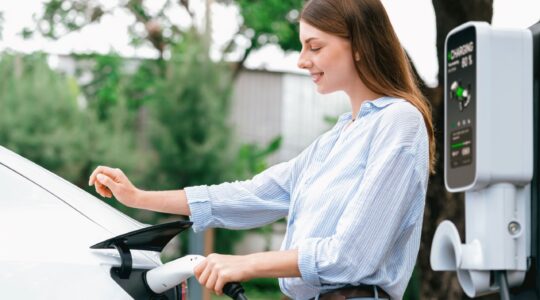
(369, 106)
(383, 101)
(377, 104)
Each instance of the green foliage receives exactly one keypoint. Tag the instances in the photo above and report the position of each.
(41, 119)
(413, 288)
(104, 88)
(165, 124)
(262, 284)
(143, 85)
(153, 27)
(191, 133)
(331, 120)
(39, 115)
(225, 239)
(61, 17)
(164, 132)
(272, 21)
(252, 158)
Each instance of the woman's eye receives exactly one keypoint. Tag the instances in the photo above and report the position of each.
(314, 49)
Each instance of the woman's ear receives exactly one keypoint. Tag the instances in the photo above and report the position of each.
(356, 56)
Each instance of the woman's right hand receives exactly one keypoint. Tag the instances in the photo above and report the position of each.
(113, 182)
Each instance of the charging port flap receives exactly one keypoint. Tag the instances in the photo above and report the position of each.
(151, 238)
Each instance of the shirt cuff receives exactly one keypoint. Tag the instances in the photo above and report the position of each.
(307, 263)
(198, 198)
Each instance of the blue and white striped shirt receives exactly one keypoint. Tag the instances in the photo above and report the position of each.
(354, 200)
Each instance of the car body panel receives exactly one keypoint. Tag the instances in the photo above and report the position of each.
(47, 226)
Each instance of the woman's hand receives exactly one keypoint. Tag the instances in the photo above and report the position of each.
(113, 182)
(217, 270)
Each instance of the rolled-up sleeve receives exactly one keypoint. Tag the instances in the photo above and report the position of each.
(244, 204)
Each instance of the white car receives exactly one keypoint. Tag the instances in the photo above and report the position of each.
(47, 226)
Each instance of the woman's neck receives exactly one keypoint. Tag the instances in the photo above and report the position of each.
(359, 93)
(358, 96)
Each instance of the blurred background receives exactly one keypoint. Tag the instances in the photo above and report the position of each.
(187, 92)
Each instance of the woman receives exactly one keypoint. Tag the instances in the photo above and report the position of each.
(354, 199)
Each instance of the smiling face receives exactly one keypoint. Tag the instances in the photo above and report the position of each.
(328, 58)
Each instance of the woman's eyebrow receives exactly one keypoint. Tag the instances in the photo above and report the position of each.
(309, 39)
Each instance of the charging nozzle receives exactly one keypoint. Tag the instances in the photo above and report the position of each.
(171, 274)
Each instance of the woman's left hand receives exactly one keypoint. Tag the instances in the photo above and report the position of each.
(217, 270)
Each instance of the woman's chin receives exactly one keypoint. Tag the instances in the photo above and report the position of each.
(321, 89)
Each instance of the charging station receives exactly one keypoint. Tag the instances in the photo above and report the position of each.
(534, 284)
(489, 155)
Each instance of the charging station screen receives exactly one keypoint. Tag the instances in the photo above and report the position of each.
(460, 107)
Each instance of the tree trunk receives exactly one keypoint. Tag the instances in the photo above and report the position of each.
(440, 204)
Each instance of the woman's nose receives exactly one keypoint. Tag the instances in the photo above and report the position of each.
(303, 61)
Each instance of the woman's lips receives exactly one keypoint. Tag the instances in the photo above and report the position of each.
(316, 77)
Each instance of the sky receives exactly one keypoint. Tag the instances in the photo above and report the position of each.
(413, 20)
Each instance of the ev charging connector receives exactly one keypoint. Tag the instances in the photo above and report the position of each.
(171, 274)
(488, 154)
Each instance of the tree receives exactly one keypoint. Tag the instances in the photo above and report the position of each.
(43, 119)
(104, 89)
(190, 112)
(263, 22)
(268, 22)
(39, 115)
(60, 17)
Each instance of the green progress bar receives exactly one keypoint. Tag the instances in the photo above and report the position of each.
(457, 145)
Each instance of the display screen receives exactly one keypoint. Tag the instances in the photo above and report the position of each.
(460, 89)
(460, 147)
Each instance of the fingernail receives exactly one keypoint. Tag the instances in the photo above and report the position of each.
(100, 177)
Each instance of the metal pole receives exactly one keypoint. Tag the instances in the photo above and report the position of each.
(196, 246)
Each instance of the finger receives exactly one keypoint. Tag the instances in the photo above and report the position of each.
(199, 268)
(111, 172)
(107, 182)
(204, 276)
(92, 178)
(101, 189)
(220, 283)
(211, 282)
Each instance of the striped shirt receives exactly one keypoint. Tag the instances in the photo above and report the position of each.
(354, 201)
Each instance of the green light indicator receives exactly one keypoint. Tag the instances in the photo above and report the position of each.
(459, 92)
(449, 56)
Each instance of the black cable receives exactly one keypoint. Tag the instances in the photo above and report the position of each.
(234, 290)
(241, 297)
(503, 285)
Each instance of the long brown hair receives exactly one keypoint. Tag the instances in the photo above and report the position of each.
(383, 65)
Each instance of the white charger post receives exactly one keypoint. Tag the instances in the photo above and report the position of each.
(488, 154)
